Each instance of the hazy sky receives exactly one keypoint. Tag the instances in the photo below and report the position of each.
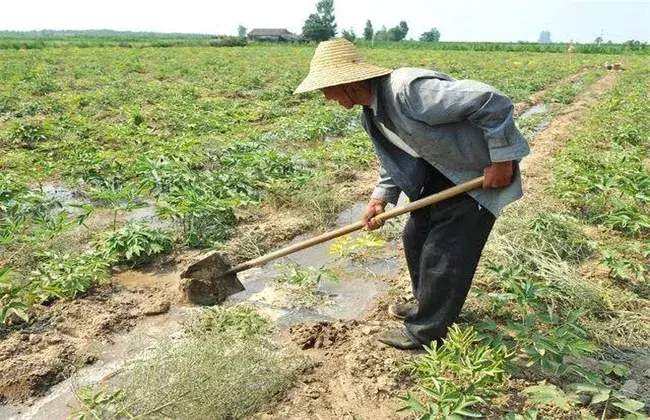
(457, 20)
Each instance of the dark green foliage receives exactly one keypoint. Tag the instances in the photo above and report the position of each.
(430, 36)
(229, 41)
(242, 31)
(544, 37)
(368, 31)
(320, 26)
(395, 34)
(349, 35)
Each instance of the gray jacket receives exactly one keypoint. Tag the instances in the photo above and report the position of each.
(458, 126)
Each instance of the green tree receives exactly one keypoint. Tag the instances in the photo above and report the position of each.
(381, 35)
(349, 35)
(368, 31)
(242, 31)
(404, 29)
(320, 26)
(544, 37)
(430, 36)
(398, 33)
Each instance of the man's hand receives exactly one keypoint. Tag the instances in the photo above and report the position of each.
(498, 175)
(373, 208)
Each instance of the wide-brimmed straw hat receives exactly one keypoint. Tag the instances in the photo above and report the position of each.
(337, 62)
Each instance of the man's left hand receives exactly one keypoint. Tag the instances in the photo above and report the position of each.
(498, 175)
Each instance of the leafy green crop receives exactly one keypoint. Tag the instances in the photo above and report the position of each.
(134, 244)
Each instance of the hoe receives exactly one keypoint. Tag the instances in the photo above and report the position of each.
(211, 280)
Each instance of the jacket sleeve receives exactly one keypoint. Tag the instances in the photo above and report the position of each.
(386, 189)
(435, 102)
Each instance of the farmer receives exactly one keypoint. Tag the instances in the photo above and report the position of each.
(430, 132)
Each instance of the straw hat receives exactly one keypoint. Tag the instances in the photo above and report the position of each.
(337, 62)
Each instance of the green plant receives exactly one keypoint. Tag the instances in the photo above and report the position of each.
(54, 277)
(241, 320)
(601, 397)
(97, 404)
(294, 274)
(348, 246)
(457, 375)
(28, 135)
(299, 287)
(627, 262)
(134, 244)
(615, 369)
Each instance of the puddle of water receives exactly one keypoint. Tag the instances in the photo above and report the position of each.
(66, 196)
(147, 215)
(536, 109)
(136, 278)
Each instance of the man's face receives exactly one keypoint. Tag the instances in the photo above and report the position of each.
(338, 93)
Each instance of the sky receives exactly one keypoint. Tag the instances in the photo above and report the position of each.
(457, 20)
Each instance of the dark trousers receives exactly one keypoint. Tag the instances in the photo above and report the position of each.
(443, 244)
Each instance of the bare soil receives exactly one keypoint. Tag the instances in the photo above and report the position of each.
(60, 336)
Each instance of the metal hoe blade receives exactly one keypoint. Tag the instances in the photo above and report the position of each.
(209, 282)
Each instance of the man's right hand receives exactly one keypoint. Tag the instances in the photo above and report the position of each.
(373, 208)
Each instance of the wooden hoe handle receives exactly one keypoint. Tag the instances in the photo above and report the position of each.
(397, 211)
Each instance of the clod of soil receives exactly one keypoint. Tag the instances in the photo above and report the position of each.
(205, 281)
(321, 336)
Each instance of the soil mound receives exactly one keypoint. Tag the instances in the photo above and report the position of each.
(323, 335)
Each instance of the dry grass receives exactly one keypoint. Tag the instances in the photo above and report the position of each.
(224, 367)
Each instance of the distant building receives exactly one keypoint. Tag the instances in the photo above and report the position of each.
(272, 35)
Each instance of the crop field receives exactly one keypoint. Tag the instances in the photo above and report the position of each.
(118, 163)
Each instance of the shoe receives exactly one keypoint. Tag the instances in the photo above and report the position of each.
(398, 339)
(400, 311)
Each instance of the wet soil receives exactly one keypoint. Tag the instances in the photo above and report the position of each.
(58, 340)
(62, 338)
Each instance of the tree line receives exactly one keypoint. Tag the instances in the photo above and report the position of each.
(321, 26)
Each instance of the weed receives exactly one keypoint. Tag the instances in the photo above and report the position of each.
(563, 234)
(294, 274)
(134, 244)
(221, 372)
(240, 320)
(298, 287)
